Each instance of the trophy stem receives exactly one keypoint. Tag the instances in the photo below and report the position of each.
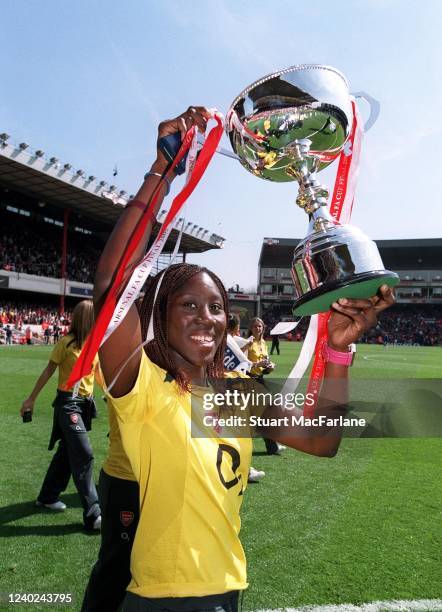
(320, 220)
(312, 196)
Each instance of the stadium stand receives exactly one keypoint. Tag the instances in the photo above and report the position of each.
(55, 222)
(415, 319)
(30, 247)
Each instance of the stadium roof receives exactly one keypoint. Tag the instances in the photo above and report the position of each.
(277, 252)
(28, 171)
(413, 253)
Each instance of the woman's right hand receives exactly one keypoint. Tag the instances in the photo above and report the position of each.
(27, 406)
(194, 115)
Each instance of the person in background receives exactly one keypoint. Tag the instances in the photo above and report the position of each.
(8, 332)
(275, 344)
(28, 335)
(73, 414)
(233, 327)
(258, 354)
(257, 351)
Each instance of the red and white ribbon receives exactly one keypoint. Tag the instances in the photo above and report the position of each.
(341, 206)
(144, 268)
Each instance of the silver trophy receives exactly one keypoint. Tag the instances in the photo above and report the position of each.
(288, 126)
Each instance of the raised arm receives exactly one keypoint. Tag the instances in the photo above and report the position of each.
(349, 320)
(127, 337)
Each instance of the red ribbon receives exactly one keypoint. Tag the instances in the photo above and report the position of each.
(343, 172)
(83, 365)
(318, 367)
(336, 208)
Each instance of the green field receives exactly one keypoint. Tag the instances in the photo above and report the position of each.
(363, 526)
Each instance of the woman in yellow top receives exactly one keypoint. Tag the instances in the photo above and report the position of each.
(258, 354)
(72, 420)
(257, 351)
(187, 554)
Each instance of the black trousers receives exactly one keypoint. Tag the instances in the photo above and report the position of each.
(74, 456)
(119, 501)
(275, 345)
(271, 446)
(226, 602)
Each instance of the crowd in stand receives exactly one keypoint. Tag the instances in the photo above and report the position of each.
(402, 324)
(47, 324)
(420, 325)
(18, 315)
(35, 250)
(29, 324)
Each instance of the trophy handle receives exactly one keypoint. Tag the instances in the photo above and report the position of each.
(375, 108)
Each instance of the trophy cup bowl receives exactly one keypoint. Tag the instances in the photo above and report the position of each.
(287, 126)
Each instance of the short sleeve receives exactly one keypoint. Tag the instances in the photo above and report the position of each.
(58, 352)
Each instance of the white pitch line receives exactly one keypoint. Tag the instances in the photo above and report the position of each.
(416, 605)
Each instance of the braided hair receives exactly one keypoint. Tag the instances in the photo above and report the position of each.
(158, 349)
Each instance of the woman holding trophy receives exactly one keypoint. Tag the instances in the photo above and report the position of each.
(187, 554)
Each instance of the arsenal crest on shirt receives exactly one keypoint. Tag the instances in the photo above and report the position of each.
(126, 517)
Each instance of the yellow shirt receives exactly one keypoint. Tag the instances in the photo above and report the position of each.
(116, 463)
(187, 541)
(257, 351)
(65, 353)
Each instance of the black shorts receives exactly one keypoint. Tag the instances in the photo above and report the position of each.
(119, 501)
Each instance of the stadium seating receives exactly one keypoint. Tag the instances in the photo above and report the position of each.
(403, 324)
(35, 248)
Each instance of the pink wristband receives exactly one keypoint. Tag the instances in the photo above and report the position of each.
(338, 357)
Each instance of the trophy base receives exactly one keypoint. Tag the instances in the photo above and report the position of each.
(360, 286)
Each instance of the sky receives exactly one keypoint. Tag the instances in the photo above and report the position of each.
(89, 81)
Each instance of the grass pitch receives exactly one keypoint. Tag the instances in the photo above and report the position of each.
(363, 526)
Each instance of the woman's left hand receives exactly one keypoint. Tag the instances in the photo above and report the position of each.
(351, 318)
